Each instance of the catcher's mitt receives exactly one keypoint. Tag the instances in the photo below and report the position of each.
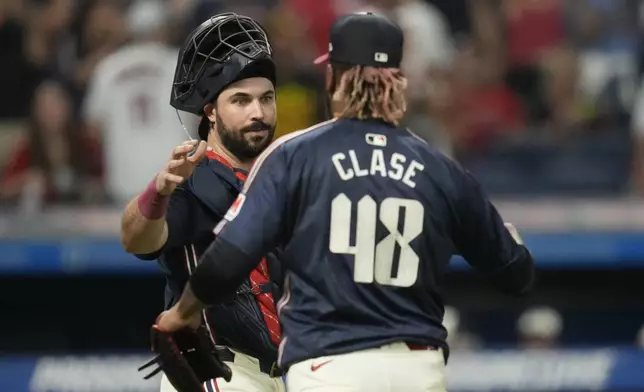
(187, 357)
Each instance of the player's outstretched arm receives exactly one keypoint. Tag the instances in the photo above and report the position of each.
(144, 227)
(142, 234)
(489, 244)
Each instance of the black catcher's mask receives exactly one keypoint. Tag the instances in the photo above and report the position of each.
(224, 49)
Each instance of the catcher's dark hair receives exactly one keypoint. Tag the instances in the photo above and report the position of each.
(204, 128)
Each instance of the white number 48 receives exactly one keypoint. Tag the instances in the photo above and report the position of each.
(371, 260)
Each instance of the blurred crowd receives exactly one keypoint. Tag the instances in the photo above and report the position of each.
(534, 96)
(537, 327)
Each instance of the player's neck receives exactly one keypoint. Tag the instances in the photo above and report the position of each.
(338, 106)
(230, 157)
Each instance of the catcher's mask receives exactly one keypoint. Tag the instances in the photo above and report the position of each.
(224, 49)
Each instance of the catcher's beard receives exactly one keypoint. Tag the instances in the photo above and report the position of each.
(235, 141)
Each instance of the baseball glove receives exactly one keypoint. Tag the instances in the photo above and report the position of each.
(187, 357)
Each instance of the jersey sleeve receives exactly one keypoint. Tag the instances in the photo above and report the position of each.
(254, 222)
(180, 218)
(480, 233)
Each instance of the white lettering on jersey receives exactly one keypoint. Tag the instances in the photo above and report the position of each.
(411, 173)
(397, 161)
(394, 168)
(337, 159)
(378, 163)
(356, 165)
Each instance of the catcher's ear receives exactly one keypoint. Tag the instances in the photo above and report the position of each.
(210, 110)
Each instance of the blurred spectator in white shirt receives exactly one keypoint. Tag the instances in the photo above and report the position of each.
(539, 327)
(458, 337)
(637, 175)
(128, 104)
(639, 339)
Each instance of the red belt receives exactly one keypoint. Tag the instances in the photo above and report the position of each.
(421, 347)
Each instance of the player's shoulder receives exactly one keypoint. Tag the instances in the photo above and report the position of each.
(430, 155)
(411, 140)
(214, 175)
(307, 135)
(286, 145)
(294, 140)
(211, 185)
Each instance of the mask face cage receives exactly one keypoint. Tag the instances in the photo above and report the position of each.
(208, 50)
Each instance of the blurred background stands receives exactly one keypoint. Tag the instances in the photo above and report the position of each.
(543, 100)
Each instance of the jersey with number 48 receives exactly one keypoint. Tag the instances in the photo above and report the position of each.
(369, 216)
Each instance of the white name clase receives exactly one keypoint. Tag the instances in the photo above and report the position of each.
(397, 167)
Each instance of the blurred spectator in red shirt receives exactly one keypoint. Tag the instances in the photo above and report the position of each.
(318, 16)
(49, 165)
(521, 33)
(533, 26)
(482, 105)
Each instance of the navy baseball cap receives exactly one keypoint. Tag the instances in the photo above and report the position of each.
(365, 39)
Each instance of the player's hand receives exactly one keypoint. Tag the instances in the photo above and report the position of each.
(514, 233)
(171, 321)
(180, 166)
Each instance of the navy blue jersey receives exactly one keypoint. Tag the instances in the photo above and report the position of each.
(369, 217)
(195, 208)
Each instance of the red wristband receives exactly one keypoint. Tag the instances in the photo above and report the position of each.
(152, 205)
